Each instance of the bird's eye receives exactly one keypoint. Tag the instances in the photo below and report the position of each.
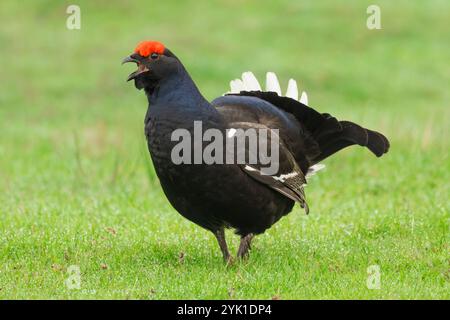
(154, 56)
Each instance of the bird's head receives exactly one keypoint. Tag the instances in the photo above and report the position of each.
(154, 61)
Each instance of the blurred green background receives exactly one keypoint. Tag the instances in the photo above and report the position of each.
(77, 186)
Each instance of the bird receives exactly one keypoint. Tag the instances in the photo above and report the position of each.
(239, 196)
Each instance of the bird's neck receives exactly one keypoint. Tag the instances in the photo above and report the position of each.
(178, 89)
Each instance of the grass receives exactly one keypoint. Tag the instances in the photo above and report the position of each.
(77, 186)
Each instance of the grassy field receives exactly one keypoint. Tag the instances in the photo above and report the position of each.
(77, 186)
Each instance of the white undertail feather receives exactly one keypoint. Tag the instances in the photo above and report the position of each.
(236, 86)
(250, 83)
(292, 90)
(272, 83)
(313, 169)
(304, 98)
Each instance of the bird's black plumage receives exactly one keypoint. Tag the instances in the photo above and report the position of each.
(218, 196)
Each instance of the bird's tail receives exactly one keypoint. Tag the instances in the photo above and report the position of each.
(333, 135)
(326, 131)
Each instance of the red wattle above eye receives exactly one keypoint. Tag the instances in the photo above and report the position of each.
(145, 48)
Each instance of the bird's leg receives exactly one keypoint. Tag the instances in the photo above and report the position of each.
(220, 236)
(244, 246)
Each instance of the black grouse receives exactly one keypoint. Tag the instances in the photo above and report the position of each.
(238, 195)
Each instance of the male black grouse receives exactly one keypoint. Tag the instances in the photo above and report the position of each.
(240, 196)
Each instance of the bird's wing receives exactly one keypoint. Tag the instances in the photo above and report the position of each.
(249, 106)
(288, 179)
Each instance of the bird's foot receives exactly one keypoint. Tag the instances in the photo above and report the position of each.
(244, 247)
(220, 236)
(229, 261)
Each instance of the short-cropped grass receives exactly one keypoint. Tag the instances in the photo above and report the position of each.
(78, 191)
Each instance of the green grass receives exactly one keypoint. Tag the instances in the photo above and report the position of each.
(77, 186)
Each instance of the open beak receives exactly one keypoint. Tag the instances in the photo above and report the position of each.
(141, 68)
